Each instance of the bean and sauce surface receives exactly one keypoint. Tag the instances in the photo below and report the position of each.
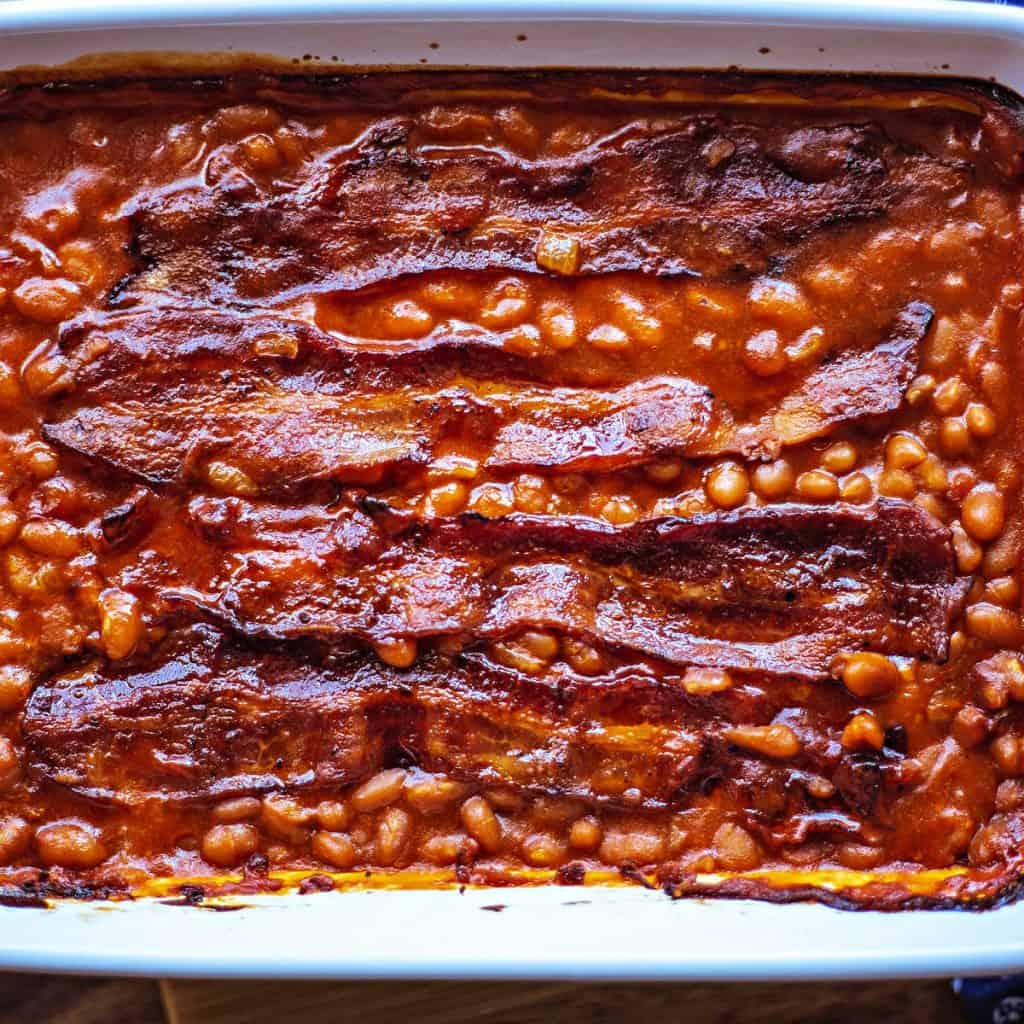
(421, 473)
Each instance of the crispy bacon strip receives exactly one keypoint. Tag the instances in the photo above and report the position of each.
(696, 195)
(777, 590)
(159, 394)
(206, 719)
(847, 388)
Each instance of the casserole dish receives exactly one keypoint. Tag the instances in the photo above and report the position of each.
(788, 42)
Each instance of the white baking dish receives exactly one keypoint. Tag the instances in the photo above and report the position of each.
(550, 932)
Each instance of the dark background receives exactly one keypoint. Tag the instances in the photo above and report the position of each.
(33, 999)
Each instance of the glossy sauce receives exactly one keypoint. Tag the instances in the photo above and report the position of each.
(300, 381)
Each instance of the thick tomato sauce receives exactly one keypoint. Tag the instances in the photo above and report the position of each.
(413, 473)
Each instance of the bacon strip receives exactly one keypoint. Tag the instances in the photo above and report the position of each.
(697, 195)
(158, 394)
(847, 388)
(778, 590)
(207, 719)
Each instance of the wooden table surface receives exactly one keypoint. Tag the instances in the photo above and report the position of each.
(34, 999)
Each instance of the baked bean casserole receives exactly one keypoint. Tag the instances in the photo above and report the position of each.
(425, 478)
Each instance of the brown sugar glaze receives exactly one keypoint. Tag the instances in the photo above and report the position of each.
(416, 478)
